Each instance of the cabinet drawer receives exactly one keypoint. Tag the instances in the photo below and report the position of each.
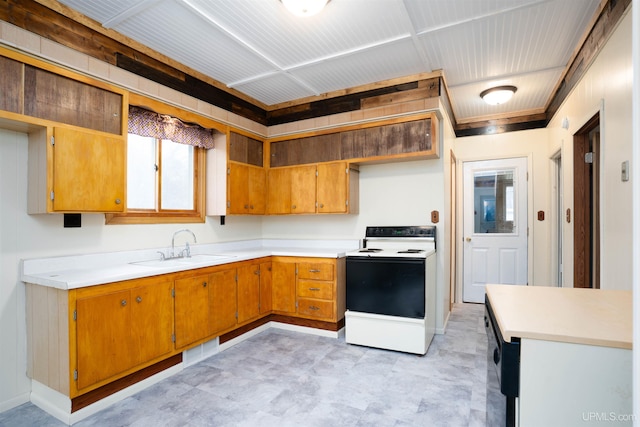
(315, 289)
(315, 270)
(315, 308)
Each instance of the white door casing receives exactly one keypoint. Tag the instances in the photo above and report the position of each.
(494, 225)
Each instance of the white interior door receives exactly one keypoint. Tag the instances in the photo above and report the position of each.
(494, 224)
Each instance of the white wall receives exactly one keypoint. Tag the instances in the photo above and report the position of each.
(607, 86)
(532, 144)
(31, 236)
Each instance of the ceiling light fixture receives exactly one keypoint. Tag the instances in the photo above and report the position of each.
(497, 95)
(304, 8)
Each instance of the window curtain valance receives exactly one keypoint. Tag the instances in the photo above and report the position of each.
(147, 123)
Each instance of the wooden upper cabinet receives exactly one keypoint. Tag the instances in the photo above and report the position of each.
(246, 176)
(383, 142)
(333, 189)
(323, 188)
(11, 84)
(244, 149)
(303, 189)
(246, 189)
(279, 191)
(88, 172)
(61, 99)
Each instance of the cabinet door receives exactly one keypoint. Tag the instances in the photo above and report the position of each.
(191, 309)
(283, 282)
(152, 326)
(102, 333)
(88, 172)
(246, 189)
(303, 189)
(279, 191)
(265, 288)
(223, 301)
(248, 292)
(238, 190)
(257, 187)
(332, 187)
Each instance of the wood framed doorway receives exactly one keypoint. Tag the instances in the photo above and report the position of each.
(586, 205)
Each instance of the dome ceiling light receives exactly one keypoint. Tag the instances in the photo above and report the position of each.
(497, 95)
(305, 8)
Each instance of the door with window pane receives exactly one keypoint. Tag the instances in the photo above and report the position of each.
(495, 225)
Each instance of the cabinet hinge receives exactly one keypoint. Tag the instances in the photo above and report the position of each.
(296, 305)
(236, 315)
(53, 140)
(173, 337)
(236, 277)
(296, 269)
(346, 170)
(228, 203)
(51, 195)
(228, 171)
(75, 315)
(75, 375)
(316, 172)
(588, 157)
(173, 292)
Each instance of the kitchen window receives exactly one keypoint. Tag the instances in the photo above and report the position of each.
(165, 170)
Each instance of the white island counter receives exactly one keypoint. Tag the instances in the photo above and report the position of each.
(575, 354)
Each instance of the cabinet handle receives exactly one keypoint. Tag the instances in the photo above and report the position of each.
(314, 271)
(118, 201)
(321, 205)
(139, 299)
(204, 284)
(123, 302)
(314, 289)
(314, 308)
(293, 206)
(251, 206)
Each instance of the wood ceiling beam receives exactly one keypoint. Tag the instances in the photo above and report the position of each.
(54, 21)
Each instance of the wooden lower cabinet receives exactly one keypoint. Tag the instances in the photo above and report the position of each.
(312, 288)
(223, 301)
(192, 309)
(283, 283)
(122, 329)
(105, 332)
(248, 292)
(266, 287)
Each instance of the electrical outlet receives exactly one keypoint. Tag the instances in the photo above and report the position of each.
(435, 217)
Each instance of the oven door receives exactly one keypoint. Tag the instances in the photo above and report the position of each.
(389, 286)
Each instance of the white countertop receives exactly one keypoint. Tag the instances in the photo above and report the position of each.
(580, 316)
(77, 271)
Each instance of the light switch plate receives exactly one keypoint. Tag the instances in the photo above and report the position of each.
(624, 171)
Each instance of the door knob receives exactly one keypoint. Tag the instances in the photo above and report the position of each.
(468, 239)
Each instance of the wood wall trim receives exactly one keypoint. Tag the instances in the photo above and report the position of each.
(54, 21)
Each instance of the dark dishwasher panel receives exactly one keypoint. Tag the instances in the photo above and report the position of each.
(388, 286)
(503, 373)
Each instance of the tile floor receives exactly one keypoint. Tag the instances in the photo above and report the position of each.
(283, 378)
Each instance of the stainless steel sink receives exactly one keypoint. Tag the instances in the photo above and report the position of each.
(181, 262)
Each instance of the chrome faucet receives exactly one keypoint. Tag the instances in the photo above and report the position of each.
(187, 250)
